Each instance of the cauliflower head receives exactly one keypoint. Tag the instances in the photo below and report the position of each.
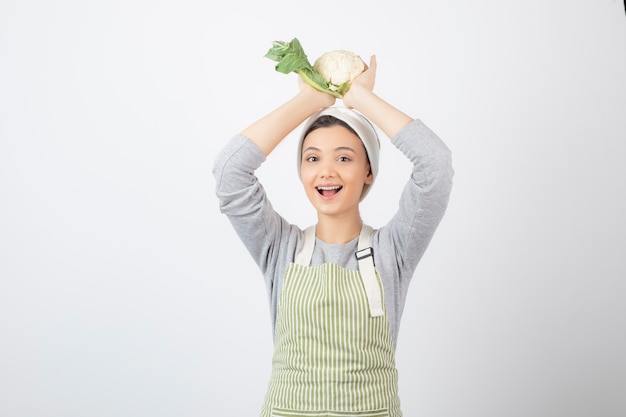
(339, 67)
(331, 73)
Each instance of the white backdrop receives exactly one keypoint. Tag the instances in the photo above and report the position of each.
(124, 291)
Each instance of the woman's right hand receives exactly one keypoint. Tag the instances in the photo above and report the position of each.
(321, 99)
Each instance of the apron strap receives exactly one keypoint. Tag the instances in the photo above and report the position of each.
(306, 252)
(365, 259)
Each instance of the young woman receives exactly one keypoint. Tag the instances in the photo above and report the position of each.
(337, 288)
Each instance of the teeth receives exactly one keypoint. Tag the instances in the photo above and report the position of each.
(328, 188)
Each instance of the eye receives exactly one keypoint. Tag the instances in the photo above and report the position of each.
(311, 158)
(344, 159)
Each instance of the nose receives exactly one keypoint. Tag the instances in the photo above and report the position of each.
(327, 170)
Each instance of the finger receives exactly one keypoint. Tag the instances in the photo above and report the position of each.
(373, 61)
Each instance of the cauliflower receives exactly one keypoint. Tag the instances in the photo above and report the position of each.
(339, 67)
(332, 72)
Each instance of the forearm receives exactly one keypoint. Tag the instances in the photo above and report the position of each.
(361, 97)
(271, 129)
(388, 118)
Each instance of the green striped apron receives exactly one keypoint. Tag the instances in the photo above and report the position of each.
(333, 354)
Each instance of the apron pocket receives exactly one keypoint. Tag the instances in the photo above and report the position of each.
(282, 412)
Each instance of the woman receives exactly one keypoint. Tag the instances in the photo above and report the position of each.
(337, 288)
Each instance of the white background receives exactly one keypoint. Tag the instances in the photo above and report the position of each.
(124, 291)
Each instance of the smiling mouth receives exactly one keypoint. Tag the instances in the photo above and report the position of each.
(328, 191)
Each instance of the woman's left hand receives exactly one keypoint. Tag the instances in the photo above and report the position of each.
(363, 83)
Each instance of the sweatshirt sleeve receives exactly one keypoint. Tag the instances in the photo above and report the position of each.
(244, 201)
(423, 201)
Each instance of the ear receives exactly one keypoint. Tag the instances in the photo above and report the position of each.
(370, 177)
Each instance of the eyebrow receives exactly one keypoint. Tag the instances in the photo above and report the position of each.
(339, 148)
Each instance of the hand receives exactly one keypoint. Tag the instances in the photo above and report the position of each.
(322, 99)
(363, 83)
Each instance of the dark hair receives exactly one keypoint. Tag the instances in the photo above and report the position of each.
(328, 121)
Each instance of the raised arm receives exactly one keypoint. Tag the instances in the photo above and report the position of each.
(271, 129)
(362, 98)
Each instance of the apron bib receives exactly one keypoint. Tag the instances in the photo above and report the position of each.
(333, 351)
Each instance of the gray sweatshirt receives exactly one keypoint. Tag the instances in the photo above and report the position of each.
(398, 245)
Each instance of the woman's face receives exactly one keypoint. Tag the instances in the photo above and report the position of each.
(334, 169)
